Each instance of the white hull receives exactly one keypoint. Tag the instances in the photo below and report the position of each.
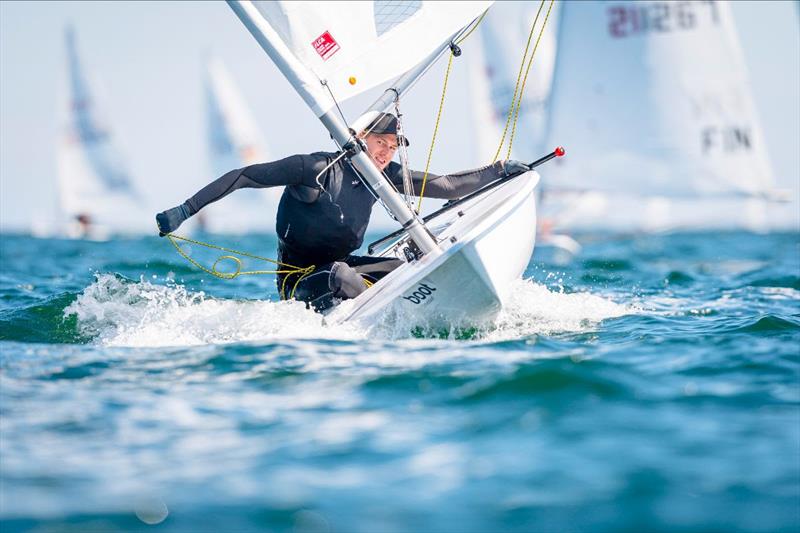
(486, 244)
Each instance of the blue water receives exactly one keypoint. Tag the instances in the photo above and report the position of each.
(650, 384)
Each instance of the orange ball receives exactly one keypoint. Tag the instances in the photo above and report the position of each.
(352, 80)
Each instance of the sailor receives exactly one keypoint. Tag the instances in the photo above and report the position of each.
(325, 208)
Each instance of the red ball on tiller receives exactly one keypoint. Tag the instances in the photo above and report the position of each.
(559, 151)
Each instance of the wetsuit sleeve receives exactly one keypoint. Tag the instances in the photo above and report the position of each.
(288, 171)
(451, 185)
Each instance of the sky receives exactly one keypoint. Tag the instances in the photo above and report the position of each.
(149, 58)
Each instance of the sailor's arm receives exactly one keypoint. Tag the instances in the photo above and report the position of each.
(452, 185)
(288, 171)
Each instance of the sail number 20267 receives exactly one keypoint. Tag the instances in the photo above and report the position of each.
(636, 18)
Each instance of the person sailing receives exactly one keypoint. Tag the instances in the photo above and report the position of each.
(325, 209)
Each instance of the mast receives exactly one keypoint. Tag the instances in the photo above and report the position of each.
(311, 90)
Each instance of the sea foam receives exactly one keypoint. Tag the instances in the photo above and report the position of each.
(115, 311)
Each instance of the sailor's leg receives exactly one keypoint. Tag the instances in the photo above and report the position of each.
(313, 289)
(345, 281)
(325, 286)
(335, 281)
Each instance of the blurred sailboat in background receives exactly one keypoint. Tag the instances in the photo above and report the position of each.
(493, 72)
(96, 194)
(654, 102)
(234, 141)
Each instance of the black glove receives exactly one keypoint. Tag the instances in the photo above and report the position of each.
(512, 167)
(169, 220)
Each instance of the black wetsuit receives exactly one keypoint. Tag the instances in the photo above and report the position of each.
(322, 218)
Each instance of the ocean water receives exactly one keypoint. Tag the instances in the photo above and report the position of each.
(650, 384)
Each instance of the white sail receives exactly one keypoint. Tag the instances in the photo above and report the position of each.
(94, 184)
(355, 46)
(652, 98)
(234, 141)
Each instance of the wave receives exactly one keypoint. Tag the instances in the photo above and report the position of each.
(769, 324)
(115, 311)
(789, 282)
(118, 312)
(43, 323)
(609, 264)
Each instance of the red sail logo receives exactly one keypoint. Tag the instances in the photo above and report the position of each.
(325, 46)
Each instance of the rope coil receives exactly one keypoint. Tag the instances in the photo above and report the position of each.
(288, 271)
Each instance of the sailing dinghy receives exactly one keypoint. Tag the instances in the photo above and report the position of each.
(96, 193)
(461, 261)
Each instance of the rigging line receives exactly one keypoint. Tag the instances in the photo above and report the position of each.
(460, 40)
(435, 132)
(525, 79)
(325, 84)
(321, 172)
(453, 46)
(516, 86)
(408, 183)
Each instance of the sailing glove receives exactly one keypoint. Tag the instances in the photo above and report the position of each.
(512, 167)
(169, 220)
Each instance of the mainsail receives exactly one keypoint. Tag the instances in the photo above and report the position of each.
(653, 98)
(94, 183)
(355, 46)
(234, 141)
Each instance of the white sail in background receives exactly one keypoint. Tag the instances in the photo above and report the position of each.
(493, 71)
(94, 184)
(234, 141)
(355, 46)
(233, 137)
(652, 98)
(494, 67)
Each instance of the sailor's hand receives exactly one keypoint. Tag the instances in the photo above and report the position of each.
(169, 220)
(512, 167)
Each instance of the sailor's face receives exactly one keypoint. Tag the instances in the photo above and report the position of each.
(381, 148)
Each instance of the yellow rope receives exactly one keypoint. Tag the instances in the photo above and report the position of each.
(464, 37)
(439, 113)
(527, 71)
(512, 106)
(304, 271)
(435, 131)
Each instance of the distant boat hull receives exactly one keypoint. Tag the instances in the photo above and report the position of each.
(486, 245)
